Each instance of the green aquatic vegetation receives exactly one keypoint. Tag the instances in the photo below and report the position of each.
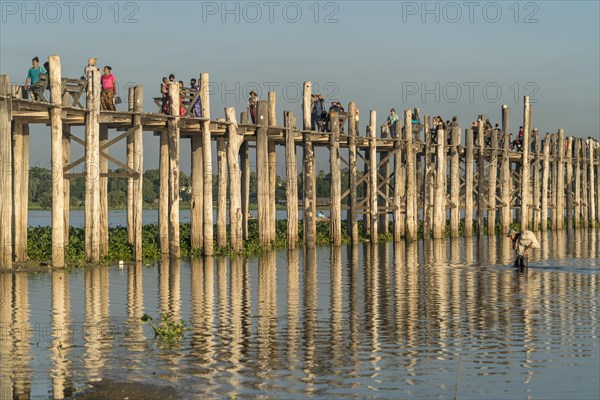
(168, 331)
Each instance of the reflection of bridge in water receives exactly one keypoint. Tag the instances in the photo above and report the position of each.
(385, 318)
(433, 179)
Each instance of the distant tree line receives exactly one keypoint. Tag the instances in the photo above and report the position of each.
(40, 188)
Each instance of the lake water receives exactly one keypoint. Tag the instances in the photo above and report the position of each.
(437, 319)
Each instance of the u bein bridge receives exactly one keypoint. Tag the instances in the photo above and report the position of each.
(413, 177)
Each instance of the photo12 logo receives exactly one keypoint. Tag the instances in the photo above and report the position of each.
(253, 12)
(453, 12)
(290, 92)
(468, 92)
(53, 12)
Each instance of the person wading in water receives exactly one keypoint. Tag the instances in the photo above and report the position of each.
(522, 242)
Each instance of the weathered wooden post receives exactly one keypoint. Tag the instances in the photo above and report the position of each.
(66, 159)
(92, 161)
(597, 183)
(374, 231)
(163, 194)
(536, 181)
(336, 185)
(58, 200)
(138, 167)
(222, 193)
(197, 203)
(352, 219)
(308, 174)
(455, 181)
(20, 158)
(480, 177)
(103, 218)
(545, 179)
(399, 185)
(411, 180)
(592, 184)
(525, 178)
(505, 178)
(6, 211)
(245, 167)
(207, 171)
(577, 218)
(272, 122)
(468, 231)
(492, 182)
(234, 143)
(130, 233)
(428, 184)
(569, 183)
(291, 177)
(262, 176)
(173, 123)
(439, 201)
(584, 186)
(384, 173)
(560, 188)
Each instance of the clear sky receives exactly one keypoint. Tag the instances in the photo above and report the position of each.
(460, 58)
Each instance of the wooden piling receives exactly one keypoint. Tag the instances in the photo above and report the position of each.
(428, 183)
(103, 217)
(245, 167)
(597, 184)
(399, 223)
(234, 142)
(545, 181)
(455, 182)
(439, 200)
(163, 194)
(129, 147)
(480, 177)
(336, 185)
(411, 180)
(66, 182)
(352, 219)
(291, 177)
(525, 170)
(569, 182)
(92, 184)
(308, 174)
(138, 166)
(20, 158)
(468, 229)
(272, 122)
(536, 181)
(197, 203)
(577, 176)
(6, 205)
(560, 183)
(173, 124)
(384, 174)
(374, 232)
(222, 193)
(592, 184)
(207, 172)
(505, 177)
(584, 186)
(262, 176)
(492, 180)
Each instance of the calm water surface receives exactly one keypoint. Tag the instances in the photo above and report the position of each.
(438, 319)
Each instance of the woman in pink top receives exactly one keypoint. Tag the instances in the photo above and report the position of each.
(108, 90)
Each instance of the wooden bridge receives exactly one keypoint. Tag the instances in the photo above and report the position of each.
(411, 177)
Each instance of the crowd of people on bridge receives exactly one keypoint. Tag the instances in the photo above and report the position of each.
(184, 101)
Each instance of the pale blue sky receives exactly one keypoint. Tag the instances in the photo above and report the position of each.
(379, 54)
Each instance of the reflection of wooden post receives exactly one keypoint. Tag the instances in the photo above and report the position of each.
(163, 194)
(439, 201)
(525, 179)
(234, 142)
(352, 219)
(138, 166)
(262, 175)
(207, 155)
(336, 185)
(197, 205)
(92, 184)
(577, 218)
(222, 193)
(468, 183)
(308, 174)
(545, 179)
(103, 217)
(493, 170)
(374, 232)
(411, 180)
(291, 177)
(173, 124)
(454, 181)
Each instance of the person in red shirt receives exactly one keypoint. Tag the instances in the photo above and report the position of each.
(108, 85)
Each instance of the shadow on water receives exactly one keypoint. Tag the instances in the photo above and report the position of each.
(436, 318)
